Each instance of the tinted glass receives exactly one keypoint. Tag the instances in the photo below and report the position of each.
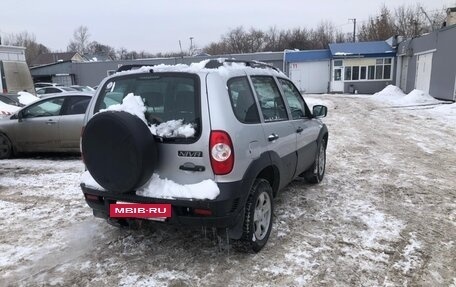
(52, 90)
(271, 102)
(294, 99)
(242, 100)
(76, 105)
(167, 96)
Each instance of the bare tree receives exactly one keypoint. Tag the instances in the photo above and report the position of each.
(380, 27)
(27, 40)
(80, 41)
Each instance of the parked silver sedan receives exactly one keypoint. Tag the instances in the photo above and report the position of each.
(52, 124)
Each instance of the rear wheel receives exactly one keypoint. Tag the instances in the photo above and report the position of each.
(316, 173)
(6, 148)
(258, 217)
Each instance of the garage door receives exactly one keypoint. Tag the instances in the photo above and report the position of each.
(310, 77)
(423, 72)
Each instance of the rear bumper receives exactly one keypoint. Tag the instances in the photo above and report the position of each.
(227, 209)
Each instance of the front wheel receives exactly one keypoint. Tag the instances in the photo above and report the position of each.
(317, 171)
(258, 217)
(6, 148)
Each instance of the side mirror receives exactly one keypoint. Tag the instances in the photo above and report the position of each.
(319, 111)
(20, 116)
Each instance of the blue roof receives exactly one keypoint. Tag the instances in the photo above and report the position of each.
(361, 48)
(310, 55)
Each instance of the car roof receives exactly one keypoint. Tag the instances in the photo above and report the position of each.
(69, 94)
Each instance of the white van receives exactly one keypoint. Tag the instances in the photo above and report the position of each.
(14, 73)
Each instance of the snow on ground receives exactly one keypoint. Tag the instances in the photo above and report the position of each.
(26, 98)
(384, 215)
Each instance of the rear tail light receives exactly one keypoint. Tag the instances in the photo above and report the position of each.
(202, 212)
(222, 153)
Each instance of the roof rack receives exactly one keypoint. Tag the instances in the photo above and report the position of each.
(213, 64)
(131, 67)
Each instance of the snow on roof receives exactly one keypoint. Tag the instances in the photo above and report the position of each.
(342, 54)
(6, 109)
(361, 48)
(26, 98)
(199, 67)
(165, 188)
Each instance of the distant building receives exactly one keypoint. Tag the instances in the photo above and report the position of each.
(362, 67)
(428, 63)
(52, 58)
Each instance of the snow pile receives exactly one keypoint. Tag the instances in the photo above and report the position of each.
(6, 109)
(26, 98)
(418, 97)
(165, 188)
(131, 104)
(134, 105)
(172, 129)
(394, 96)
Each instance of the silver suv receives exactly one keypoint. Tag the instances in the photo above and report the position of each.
(215, 140)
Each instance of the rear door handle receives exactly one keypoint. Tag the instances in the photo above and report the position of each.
(273, 137)
(299, 130)
(192, 167)
(51, 122)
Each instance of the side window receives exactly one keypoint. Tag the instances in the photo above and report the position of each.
(52, 90)
(48, 108)
(41, 91)
(271, 102)
(76, 105)
(242, 100)
(294, 99)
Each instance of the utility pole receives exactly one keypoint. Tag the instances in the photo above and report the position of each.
(354, 28)
(191, 45)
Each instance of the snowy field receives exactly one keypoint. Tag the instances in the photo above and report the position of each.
(385, 215)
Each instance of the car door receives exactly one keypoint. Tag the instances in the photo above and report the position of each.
(278, 130)
(38, 126)
(306, 128)
(71, 119)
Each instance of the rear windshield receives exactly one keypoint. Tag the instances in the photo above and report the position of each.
(167, 97)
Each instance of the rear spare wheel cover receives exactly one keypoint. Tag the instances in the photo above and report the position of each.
(119, 151)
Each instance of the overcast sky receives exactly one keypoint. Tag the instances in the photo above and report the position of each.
(158, 25)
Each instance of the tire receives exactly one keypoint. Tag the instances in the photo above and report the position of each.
(6, 148)
(119, 151)
(259, 211)
(316, 172)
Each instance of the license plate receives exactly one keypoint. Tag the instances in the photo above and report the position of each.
(149, 211)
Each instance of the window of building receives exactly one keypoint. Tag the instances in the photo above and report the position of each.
(382, 70)
(355, 73)
(348, 73)
(363, 73)
(379, 72)
(337, 63)
(371, 72)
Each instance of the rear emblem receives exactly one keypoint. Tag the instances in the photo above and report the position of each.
(184, 153)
